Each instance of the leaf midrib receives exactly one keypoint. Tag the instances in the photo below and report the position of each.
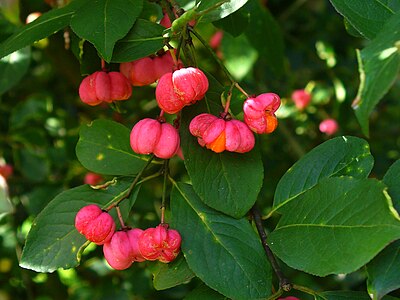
(216, 238)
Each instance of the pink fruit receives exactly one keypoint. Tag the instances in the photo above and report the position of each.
(180, 88)
(153, 136)
(96, 225)
(6, 170)
(139, 72)
(216, 38)
(102, 86)
(147, 70)
(123, 249)
(259, 112)
(93, 178)
(160, 243)
(289, 298)
(165, 21)
(301, 98)
(218, 134)
(329, 126)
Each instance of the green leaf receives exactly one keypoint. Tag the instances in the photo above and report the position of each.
(350, 295)
(13, 67)
(336, 157)
(379, 65)
(222, 11)
(239, 55)
(104, 148)
(235, 23)
(143, 39)
(34, 163)
(384, 272)
(204, 292)
(46, 25)
(104, 22)
(367, 18)
(222, 251)
(5, 203)
(169, 275)
(392, 180)
(265, 35)
(228, 182)
(53, 242)
(329, 229)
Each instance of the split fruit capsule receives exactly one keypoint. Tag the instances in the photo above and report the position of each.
(259, 113)
(218, 134)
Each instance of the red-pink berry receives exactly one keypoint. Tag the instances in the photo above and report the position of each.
(301, 98)
(123, 249)
(147, 70)
(139, 72)
(289, 298)
(218, 134)
(96, 225)
(329, 126)
(160, 243)
(6, 170)
(104, 87)
(152, 136)
(259, 112)
(216, 38)
(180, 88)
(92, 178)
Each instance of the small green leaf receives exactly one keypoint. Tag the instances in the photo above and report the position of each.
(169, 275)
(104, 148)
(338, 156)
(104, 22)
(204, 292)
(384, 272)
(265, 35)
(5, 203)
(13, 67)
(366, 18)
(222, 11)
(329, 229)
(235, 23)
(379, 65)
(222, 251)
(143, 39)
(53, 242)
(47, 24)
(392, 180)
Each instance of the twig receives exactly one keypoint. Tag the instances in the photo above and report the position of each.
(131, 187)
(164, 194)
(284, 283)
(121, 220)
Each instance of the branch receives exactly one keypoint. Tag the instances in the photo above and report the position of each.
(284, 283)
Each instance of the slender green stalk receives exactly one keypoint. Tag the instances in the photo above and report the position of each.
(164, 194)
(220, 63)
(216, 58)
(131, 187)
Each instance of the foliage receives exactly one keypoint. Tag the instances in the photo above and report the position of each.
(329, 204)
